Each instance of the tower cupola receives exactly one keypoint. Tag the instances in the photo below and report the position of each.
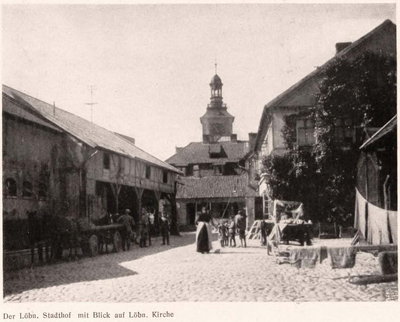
(216, 86)
(216, 122)
(216, 92)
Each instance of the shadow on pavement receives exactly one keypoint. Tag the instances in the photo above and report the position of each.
(226, 253)
(101, 267)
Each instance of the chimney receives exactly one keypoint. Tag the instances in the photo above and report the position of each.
(234, 137)
(252, 140)
(178, 149)
(342, 45)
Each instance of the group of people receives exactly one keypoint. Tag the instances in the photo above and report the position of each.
(227, 231)
(142, 230)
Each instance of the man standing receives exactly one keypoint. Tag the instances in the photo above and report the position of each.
(127, 233)
(240, 221)
(164, 227)
(143, 228)
(263, 232)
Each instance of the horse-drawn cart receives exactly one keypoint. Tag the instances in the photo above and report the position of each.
(55, 234)
(96, 238)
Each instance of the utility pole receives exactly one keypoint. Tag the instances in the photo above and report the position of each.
(91, 88)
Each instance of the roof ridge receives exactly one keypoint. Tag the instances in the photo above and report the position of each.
(360, 40)
(54, 106)
(167, 165)
(342, 53)
(303, 81)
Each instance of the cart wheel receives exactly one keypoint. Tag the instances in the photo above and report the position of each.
(93, 245)
(117, 242)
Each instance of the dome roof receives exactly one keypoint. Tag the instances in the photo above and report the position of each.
(216, 82)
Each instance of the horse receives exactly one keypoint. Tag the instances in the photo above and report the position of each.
(64, 232)
(104, 237)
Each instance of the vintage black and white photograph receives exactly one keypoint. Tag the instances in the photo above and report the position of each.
(208, 152)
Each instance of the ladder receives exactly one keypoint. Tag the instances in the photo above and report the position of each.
(254, 232)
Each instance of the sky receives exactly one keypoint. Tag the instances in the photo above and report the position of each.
(151, 65)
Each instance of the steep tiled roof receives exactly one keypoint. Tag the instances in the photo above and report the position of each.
(85, 131)
(352, 50)
(198, 152)
(214, 187)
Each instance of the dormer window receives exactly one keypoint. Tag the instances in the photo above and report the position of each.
(216, 151)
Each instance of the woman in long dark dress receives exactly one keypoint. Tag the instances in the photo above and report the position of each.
(203, 233)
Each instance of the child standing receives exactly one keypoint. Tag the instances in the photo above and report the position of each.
(222, 234)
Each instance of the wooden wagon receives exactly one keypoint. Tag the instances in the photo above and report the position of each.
(97, 238)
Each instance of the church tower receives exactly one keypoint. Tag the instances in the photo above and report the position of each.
(217, 122)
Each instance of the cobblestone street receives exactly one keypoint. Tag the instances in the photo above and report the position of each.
(177, 273)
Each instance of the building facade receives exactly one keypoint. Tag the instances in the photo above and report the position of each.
(59, 163)
(297, 101)
(215, 172)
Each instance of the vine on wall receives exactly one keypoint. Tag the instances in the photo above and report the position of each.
(323, 177)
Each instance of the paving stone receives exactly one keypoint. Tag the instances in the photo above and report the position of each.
(178, 273)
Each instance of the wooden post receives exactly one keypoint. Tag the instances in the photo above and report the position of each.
(139, 194)
(174, 222)
(263, 205)
(366, 195)
(116, 188)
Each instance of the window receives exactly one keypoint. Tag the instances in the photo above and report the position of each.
(42, 191)
(148, 172)
(10, 188)
(218, 170)
(343, 131)
(27, 189)
(106, 161)
(196, 170)
(165, 177)
(305, 132)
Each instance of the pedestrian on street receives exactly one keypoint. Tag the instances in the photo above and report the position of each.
(127, 233)
(203, 232)
(240, 222)
(232, 233)
(152, 218)
(222, 234)
(164, 227)
(263, 232)
(143, 228)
